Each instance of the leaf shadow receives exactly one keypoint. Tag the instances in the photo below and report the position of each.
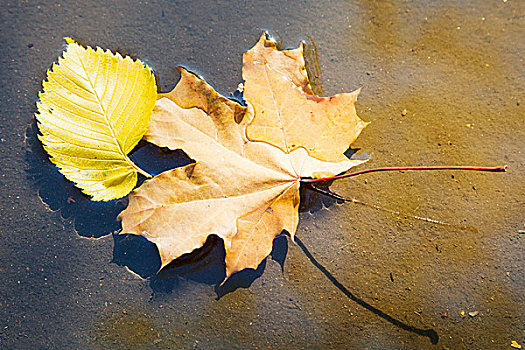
(136, 253)
(430, 333)
(313, 201)
(246, 277)
(206, 265)
(90, 219)
(203, 265)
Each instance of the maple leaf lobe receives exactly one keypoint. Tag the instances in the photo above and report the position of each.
(289, 114)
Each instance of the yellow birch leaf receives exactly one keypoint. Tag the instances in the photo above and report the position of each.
(94, 109)
(288, 114)
(243, 191)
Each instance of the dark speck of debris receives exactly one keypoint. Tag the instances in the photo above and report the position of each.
(391, 277)
(30, 45)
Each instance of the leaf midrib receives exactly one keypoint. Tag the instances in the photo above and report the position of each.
(101, 106)
(104, 113)
(156, 205)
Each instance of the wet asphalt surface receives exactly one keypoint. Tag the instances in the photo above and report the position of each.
(445, 84)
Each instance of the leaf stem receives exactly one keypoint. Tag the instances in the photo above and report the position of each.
(143, 172)
(137, 168)
(501, 168)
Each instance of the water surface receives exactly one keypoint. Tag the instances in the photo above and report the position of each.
(396, 283)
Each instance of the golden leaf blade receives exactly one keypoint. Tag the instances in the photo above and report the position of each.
(94, 109)
(243, 191)
(288, 114)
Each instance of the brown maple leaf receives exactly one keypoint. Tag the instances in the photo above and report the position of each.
(244, 191)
